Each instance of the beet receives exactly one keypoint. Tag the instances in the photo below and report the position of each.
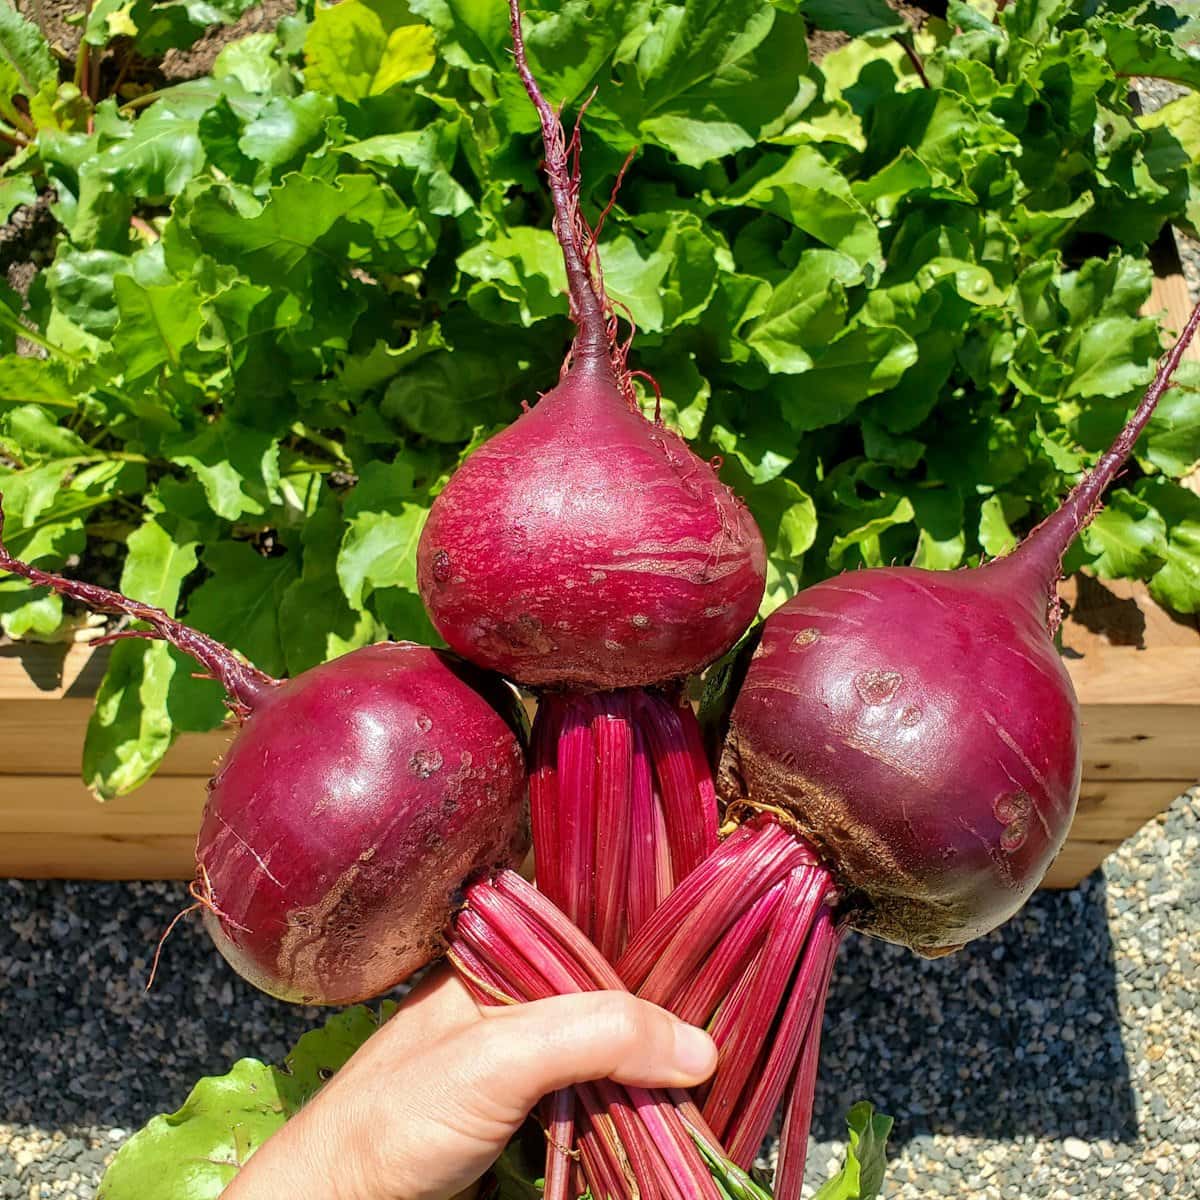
(940, 805)
(920, 729)
(585, 545)
(346, 816)
(351, 808)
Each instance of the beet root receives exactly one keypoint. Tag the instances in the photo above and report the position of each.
(586, 546)
(939, 805)
(919, 728)
(353, 805)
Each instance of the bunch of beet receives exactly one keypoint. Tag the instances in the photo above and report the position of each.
(897, 753)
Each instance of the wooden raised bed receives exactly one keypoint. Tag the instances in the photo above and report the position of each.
(1141, 713)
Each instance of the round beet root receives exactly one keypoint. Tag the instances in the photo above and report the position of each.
(586, 546)
(922, 731)
(353, 804)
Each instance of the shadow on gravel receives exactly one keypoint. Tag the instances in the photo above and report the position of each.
(1017, 1034)
(81, 1043)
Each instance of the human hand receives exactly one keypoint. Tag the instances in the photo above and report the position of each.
(425, 1107)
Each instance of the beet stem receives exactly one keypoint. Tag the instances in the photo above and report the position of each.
(793, 1141)
(1043, 549)
(560, 1134)
(243, 683)
(512, 940)
(697, 998)
(623, 807)
(588, 304)
(797, 1037)
(752, 1011)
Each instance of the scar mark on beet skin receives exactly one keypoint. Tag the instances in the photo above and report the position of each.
(878, 687)
(258, 858)
(928, 593)
(1008, 740)
(826, 616)
(841, 587)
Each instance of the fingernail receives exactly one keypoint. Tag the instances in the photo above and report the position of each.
(695, 1051)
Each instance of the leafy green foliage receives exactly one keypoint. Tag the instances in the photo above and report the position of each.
(861, 1176)
(287, 297)
(195, 1152)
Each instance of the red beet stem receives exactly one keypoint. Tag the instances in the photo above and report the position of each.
(650, 877)
(689, 800)
(588, 302)
(1043, 550)
(560, 1136)
(797, 1038)
(509, 935)
(793, 1142)
(700, 996)
(698, 913)
(605, 1164)
(766, 992)
(244, 684)
(614, 742)
(746, 945)
(623, 806)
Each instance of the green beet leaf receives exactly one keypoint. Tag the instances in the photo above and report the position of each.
(130, 730)
(195, 1152)
(861, 1178)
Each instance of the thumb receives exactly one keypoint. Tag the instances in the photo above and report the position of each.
(528, 1050)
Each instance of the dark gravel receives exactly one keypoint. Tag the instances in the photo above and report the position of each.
(1058, 1058)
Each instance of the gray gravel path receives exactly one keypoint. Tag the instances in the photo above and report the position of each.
(1057, 1058)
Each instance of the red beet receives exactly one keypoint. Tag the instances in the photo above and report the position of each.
(584, 545)
(352, 806)
(344, 819)
(920, 729)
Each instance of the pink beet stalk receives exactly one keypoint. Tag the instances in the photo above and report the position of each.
(793, 1149)
(623, 807)
(560, 1137)
(511, 944)
(767, 989)
(745, 945)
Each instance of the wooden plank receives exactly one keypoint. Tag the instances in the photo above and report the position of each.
(1113, 810)
(1126, 675)
(1140, 701)
(61, 804)
(37, 671)
(90, 856)
(1138, 741)
(52, 827)
(47, 739)
(1169, 295)
(1076, 861)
